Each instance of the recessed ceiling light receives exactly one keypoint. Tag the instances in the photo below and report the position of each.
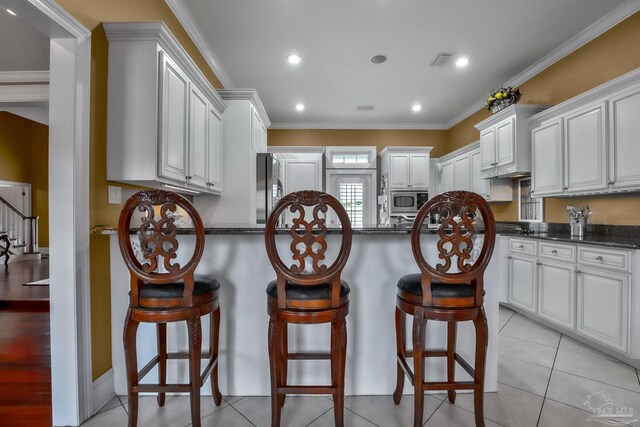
(299, 107)
(416, 107)
(462, 62)
(11, 12)
(294, 59)
(378, 59)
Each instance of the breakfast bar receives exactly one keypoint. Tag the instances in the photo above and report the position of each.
(236, 256)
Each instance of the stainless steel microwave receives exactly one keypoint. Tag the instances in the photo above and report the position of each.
(407, 202)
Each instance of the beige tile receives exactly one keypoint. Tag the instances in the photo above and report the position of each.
(449, 415)
(226, 417)
(523, 375)
(115, 417)
(382, 411)
(595, 368)
(509, 406)
(526, 350)
(556, 414)
(176, 411)
(113, 403)
(569, 344)
(351, 419)
(530, 331)
(297, 411)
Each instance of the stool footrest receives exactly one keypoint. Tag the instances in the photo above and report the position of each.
(309, 356)
(306, 389)
(178, 355)
(155, 388)
(185, 355)
(461, 385)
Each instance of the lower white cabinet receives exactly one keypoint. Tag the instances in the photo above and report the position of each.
(522, 279)
(557, 292)
(603, 299)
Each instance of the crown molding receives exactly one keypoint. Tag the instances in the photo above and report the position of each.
(460, 151)
(158, 32)
(247, 95)
(518, 110)
(603, 24)
(24, 77)
(359, 125)
(184, 17)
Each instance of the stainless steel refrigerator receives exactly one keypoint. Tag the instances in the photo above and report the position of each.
(269, 186)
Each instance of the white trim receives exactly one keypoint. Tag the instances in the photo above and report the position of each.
(309, 149)
(24, 93)
(357, 125)
(24, 77)
(247, 95)
(102, 391)
(189, 25)
(602, 25)
(458, 152)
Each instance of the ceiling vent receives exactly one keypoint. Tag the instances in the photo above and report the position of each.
(364, 108)
(442, 59)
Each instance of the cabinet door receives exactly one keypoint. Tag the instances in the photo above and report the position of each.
(488, 148)
(446, 177)
(548, 159)
(556, 292)
(303, 175)
(399, 170)
(602, 307)
(479, 185)
(419, 171)
(462, 173)
(505, 142)
(258, 134)
(585, 165)
(522, 280)
(173, 118)
(214, 172)
(198, 138)
(624, 142)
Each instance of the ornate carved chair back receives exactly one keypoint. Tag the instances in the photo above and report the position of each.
(157, 232)
(311, 235)
(461, 212)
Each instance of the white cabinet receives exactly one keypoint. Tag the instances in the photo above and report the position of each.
(303, 172)
(462, 172)
(624, 140)
(603, 299)
(522, 278)
(258, 133)
(407, 168)
(446, 177)
(548, 159)
(163, 118)
(556, 292)
(478, 185)
(505, 141)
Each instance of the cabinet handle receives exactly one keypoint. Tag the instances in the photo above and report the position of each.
(554, 251)
(509, 257)
(577, 271)
(611, 182)
(521, 246)
(599, 258)
(538, 263)
(189, 177)
(531, 192)
(565, 188)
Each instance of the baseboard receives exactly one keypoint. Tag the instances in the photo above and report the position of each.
(103, 390)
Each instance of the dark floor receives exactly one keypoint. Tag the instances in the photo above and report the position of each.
(25, 348)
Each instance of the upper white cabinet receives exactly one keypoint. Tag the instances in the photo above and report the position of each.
(589, 144)
(406, 167)
(505, 141)
(164, 124)
(462, 170)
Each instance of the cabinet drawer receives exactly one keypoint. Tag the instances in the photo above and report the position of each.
(523, 246)
(608, 258)
(557, 251)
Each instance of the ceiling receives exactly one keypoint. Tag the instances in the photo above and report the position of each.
(252, 38)
(22, 47)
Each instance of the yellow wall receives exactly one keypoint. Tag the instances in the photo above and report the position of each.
(606, 57)
(379, 138)
(24, 157)
(92, 13)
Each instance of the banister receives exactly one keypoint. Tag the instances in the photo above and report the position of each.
(10, 206)
(28, 236)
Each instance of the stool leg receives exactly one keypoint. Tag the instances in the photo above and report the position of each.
(339, 360)
(482, 334)
(195, 350)
(419, 324)
(161, 334)
(275, 358)
(451, 363)
(401, 351)
(213, 351)
(285, 359)
(131, 359)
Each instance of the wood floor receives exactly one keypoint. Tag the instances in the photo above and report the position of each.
(25, 348)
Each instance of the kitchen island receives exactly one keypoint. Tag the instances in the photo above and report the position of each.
(236, 256)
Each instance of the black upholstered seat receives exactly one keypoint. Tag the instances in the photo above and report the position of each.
(308, 292)
(202, 285)
(412, 283)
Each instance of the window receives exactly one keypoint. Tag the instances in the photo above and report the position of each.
(350, 159)
(351, 195)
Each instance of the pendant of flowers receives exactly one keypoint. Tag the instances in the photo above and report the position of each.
(501, 98)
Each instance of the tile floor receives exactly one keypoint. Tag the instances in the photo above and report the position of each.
(544, 380)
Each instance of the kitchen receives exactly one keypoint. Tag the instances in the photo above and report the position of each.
(554, 293)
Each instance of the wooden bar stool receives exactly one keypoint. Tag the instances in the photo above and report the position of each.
(171, 296)
(437, 294)
(308, 292)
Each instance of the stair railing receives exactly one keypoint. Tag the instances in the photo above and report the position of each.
(21, 229)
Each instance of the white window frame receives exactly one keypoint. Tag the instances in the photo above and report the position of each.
(369, 151)
(371, 193)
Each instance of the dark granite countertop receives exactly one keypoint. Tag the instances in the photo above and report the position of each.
(624, 242)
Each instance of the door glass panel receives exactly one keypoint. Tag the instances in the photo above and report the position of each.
(351, 195)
